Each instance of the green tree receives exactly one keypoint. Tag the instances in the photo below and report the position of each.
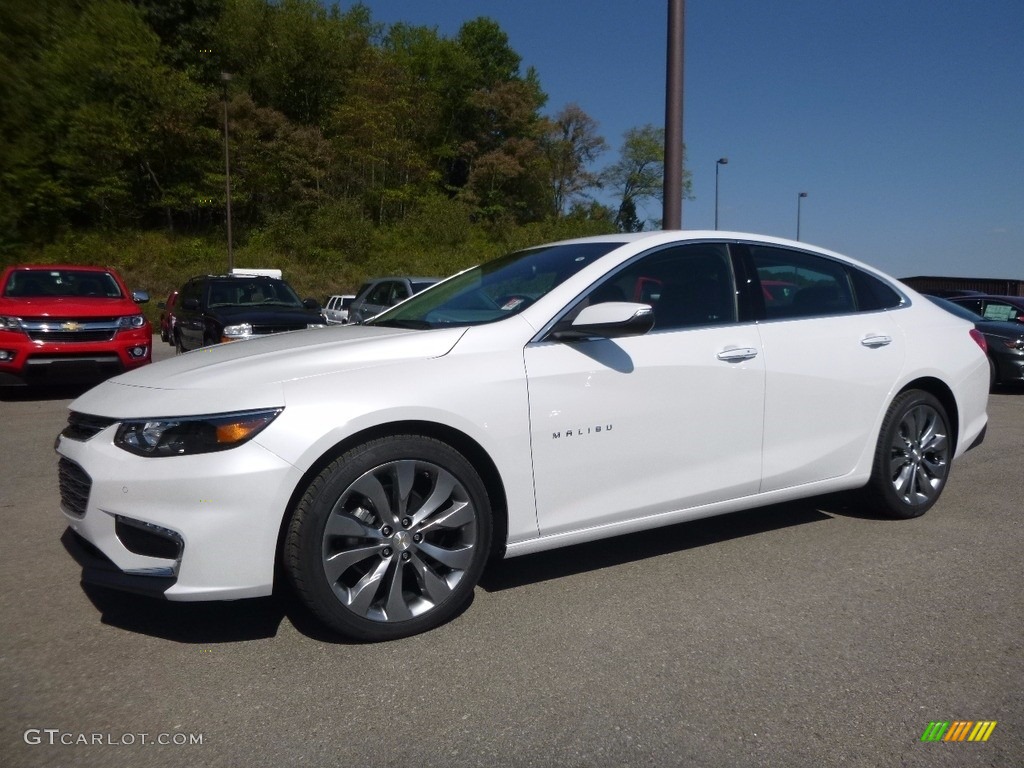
(639, 174)
(571, 145)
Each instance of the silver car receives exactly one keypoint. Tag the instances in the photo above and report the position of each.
(378, 294)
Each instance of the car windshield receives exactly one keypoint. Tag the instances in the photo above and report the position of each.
(252, 292)
(495, 290)
(61, 283)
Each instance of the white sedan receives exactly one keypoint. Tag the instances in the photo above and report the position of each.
(560, 394)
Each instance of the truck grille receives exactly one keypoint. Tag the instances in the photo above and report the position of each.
(75, 485)
(71, 330)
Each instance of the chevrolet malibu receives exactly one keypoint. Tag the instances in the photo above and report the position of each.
(556, 395)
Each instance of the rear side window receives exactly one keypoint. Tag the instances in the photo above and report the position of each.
(872, 294)
(798, 284)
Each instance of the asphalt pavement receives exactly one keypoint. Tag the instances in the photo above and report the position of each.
(807, 634)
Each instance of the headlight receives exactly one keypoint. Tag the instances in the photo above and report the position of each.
(191, 434)
(240, 331)
(131, 321)
(316, 325)
(8, 323)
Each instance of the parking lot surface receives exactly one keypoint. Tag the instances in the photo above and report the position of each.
(808, 634)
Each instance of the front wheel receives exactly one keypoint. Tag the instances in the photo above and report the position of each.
(390, 538)
(912, 456)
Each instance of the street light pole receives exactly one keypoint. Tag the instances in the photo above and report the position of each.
(225, 79)
(721, 161)
(799, 197)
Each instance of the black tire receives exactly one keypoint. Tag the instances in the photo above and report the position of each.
(993, 374)
(912, 457)
(390, 539)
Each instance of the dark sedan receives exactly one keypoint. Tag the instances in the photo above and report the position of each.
(1009, 308)
(1005, 340)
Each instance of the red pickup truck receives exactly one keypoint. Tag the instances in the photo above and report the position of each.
(61, 323)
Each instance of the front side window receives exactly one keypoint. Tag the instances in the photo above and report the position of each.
(688, 286)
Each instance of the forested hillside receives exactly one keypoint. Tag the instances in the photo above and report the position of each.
(355, 149)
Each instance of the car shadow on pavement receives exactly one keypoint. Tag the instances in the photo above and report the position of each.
(567, 561)
(200, 623)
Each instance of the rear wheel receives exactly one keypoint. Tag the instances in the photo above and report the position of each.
(912, 456)
(390, 538)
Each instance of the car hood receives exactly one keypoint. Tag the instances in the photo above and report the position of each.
(243, 375)
(67, 306)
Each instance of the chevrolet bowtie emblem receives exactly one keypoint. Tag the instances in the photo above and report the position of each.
(71, 326)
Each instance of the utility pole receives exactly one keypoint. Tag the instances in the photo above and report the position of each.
(672, 198)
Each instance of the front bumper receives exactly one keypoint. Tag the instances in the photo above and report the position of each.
(24, 361)
(219, 515)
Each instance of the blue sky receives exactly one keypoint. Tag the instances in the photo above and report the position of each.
(903, 120)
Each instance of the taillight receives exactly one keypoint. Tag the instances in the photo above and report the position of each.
(980, 339)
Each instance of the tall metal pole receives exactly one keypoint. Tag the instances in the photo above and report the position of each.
(720, 162)
(226, 78)
(672, 198)
(799, 198)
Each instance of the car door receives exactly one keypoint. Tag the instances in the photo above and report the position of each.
(832, 354)
(630, 427)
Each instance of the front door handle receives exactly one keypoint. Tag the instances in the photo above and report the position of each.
(876, 341)
(736, 354)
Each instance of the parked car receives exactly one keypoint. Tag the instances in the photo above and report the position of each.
(374, 296)
(337, 308)
(1009, 308)
(167, 317)
(60, 323)
(216, 308)
(518, 406)
(1004, 338)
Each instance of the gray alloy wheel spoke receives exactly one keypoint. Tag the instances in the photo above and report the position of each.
(458, 559)
(460, 514)
(434, 588)
(396, 607)
(336, 564)
(360, 596)
(444, 484)
(341, 524)
(405, 474)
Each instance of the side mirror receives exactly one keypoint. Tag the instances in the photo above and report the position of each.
(608, 320)
(192, 304)
(312, 304)
(140, 297)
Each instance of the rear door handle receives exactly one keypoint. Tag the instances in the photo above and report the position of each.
(736, 354)
(876, 341)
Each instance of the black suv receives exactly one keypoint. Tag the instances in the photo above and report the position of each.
(216, 308)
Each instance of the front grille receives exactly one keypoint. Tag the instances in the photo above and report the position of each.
(75, 485)
(261, 330)
(82, 426)
(70, 330)
(71, 336)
